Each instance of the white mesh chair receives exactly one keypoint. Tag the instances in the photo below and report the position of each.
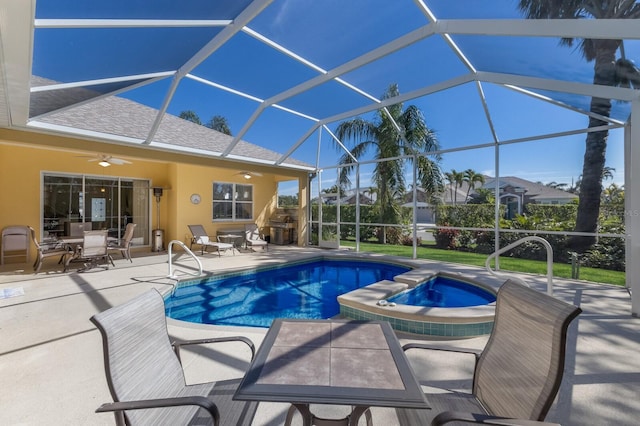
(253, 237)
(145, 376)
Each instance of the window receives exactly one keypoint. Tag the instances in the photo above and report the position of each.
(232, 201)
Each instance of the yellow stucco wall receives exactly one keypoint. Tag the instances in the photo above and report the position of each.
(21, 170)
(192, 179)
(25, 156)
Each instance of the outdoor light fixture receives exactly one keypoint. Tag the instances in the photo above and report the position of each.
(248, 174)
(104, 163)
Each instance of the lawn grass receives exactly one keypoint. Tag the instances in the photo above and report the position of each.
(560, 270)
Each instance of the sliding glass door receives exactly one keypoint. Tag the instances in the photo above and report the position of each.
(72, 204)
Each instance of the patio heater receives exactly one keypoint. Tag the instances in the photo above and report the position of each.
(157, 235)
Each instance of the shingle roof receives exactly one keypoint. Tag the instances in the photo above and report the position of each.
(124, 118)
(533, 189)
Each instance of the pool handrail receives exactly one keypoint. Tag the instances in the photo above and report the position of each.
(189, 252)
(541, 240)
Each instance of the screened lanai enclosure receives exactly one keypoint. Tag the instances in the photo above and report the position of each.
(459, 125)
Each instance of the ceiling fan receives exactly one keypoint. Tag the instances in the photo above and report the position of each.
(248, 175)
(105, 160)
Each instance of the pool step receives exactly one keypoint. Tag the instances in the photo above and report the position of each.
(416, 276)
(370, 295)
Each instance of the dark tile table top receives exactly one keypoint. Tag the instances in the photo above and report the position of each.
(332, 362)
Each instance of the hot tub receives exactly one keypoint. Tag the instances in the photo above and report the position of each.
(375, 302)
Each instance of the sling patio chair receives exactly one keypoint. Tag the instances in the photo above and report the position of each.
(49, 249)
(517, 375)
(199, 236)
(124, 245)
(253, 237)
(145, 375)
(93, 251)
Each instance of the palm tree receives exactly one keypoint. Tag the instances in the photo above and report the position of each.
(607, 173)
(613, 194)
(455, 180)
(220, 124)
(471, 177)
(382, 138)
(556, 185)
(190, 115)
(608, 71)
(483, 196)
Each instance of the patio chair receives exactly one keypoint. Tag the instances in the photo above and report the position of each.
(14, 243)
(518, 374)
(93, 251)
(124, 245)
(199, 236)
(145, 375)
(45, 250)
(253, 238)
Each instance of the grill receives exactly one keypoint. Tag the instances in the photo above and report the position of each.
(282, 229)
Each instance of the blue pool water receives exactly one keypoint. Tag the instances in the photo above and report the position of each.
(304, 290)
(444, 292)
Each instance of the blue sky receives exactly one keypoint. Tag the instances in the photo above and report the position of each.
(330, 33)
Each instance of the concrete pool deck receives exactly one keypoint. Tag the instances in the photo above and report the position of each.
(51, 366)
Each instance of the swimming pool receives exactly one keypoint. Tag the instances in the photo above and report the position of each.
(255, 298)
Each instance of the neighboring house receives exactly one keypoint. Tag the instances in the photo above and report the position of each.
(425, 211)
(367, 197)
(516, 192)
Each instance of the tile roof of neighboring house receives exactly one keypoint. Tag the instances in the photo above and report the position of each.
(114, 115)
(533, 190)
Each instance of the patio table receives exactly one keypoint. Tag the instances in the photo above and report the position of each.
(230, 239)
(357, 363)
(75, 242)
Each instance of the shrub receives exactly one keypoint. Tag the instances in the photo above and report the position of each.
(446, 238)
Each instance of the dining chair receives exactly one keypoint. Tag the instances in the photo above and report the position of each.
(124, 245)
(93, 251)
(45, 250)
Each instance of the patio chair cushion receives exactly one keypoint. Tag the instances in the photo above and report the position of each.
(253, 237)
(200, 237)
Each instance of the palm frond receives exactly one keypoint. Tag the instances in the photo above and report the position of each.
(627, 74)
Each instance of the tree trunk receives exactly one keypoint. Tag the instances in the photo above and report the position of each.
(595, 149)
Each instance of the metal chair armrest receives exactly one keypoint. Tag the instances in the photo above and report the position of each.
(201, 401)
(453, 416)
(177, 344)
(475, 352)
